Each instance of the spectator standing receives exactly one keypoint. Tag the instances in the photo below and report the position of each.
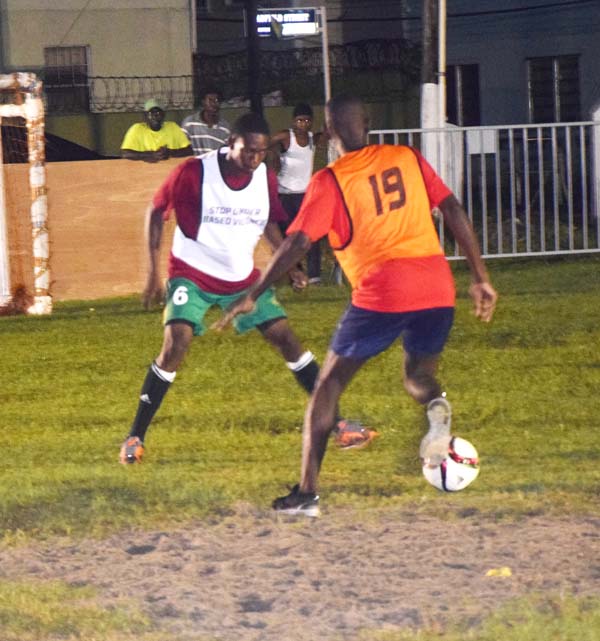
(296, 149)
(155, 139)
(206, 129)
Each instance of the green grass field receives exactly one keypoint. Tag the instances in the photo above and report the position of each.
(524, 391)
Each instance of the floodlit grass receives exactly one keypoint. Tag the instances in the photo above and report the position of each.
(54, 610)
(524, 391)
(535, 618)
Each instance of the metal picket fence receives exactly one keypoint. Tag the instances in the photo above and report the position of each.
(530, 190)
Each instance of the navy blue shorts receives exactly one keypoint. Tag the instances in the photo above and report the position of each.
(362, 333)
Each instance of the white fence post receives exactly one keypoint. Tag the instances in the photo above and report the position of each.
(430, 142)
(5, 286)
(596, 163)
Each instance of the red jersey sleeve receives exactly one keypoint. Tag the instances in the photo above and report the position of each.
(322, 207)
(182, 184)
(437, 191)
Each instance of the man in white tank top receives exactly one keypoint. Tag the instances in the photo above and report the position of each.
(296, 150)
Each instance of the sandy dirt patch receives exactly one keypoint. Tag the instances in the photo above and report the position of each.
(257, 576)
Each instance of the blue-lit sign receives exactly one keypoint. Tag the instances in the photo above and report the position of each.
(287, 23)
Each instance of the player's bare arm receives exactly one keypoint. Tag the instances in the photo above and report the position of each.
(146, 156)
(289, 253)
(321, 138)
(278, 143)
(483, 294)
(153, 292)
(181, 153)
(274, 237)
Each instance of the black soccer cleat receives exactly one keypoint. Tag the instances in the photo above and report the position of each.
(297, 502)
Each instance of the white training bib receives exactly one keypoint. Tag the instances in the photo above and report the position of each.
(232, 222)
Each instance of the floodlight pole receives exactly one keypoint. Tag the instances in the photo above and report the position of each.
(442, 60)
(428, 43)
(441, 80)
(433, 87)
(193, 27)
(325, 50)
(253, 53)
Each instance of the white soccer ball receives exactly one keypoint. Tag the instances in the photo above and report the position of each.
(458, 470)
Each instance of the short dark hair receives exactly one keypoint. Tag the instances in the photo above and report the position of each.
(302, 109)
(250, 123)
(343, 102)
(349, 120)
(208, 89)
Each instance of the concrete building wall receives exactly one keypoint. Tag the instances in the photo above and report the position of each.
(500, 37)
(126, 37)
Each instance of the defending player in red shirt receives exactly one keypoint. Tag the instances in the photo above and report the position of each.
(223, 203)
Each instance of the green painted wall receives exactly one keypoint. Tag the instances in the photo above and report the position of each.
(104, 132)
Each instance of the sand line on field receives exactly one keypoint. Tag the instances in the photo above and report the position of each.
(255, 576)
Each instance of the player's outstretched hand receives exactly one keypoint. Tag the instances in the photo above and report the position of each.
(153, 293)
(241, 306)
(484, 300)
(153, 299)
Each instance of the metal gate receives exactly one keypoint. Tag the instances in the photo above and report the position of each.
(529, 189)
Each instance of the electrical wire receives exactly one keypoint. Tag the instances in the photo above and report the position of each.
(68, 31)
(344, 17)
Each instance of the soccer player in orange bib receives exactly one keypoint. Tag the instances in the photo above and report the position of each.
(375, 204)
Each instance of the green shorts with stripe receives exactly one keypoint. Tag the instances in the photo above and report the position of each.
(188, 303)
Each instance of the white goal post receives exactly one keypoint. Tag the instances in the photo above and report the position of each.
(26, 102)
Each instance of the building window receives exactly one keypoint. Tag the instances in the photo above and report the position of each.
(66, 79)
(553, 84)
(462, 95)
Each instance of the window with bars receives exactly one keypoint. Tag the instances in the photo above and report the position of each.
(553, 85)
(462, 95)
(66, 78)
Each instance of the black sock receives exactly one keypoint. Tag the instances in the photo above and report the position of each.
(307, 376)
(153, 391)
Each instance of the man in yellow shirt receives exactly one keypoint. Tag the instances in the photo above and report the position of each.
(155, 139)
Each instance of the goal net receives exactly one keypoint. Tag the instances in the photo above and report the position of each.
(23, 202)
